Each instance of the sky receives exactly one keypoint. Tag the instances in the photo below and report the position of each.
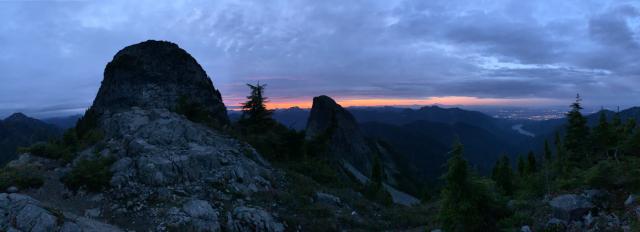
(388, 52)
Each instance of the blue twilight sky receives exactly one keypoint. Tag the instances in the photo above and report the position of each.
(53, 53)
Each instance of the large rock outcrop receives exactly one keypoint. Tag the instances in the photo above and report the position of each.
(22, 213)
(332, 124)
(168, 173)
(158, 75)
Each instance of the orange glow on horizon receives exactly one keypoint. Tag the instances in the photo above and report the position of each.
(448, 100)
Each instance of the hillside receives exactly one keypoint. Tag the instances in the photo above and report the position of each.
(19, 130)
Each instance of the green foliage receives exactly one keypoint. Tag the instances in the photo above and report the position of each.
(377, 193)
(254, 110)
(377, 172)
(92, 174)
(50, 150)
(531, 185)
(532, 165)
(602, 175)
(547, 153)
(87, 124)
(515, 221)
(21, 177)
(195, 112)
(320, 170)
(522, 166)
(465, 203)
(276, 143)
(602, 134)
(577, 132)
(503, 176)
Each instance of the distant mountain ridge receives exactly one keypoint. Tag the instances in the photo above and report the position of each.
(64, 122)
(20, 130)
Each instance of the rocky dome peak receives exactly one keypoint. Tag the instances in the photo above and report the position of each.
(328, 120)
(158, 75)
(17, 117)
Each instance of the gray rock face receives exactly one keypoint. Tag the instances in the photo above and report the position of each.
(23, 213)
(570, 207)
(328, 120)
(195, 215)
(252, 219)
(161, 157)
(326, 198)
(164, 157)
(157, 148)
(157, 74)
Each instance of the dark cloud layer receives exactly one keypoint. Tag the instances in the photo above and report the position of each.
(52, 53)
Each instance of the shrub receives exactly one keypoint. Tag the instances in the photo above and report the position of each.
(194, 112)
(92, 174)
(50, 150)
(22, 177)
(602, 175)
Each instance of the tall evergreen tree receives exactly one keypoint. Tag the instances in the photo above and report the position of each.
(547, 166)
(503, 176)
(465, 206)
(629, 127)
(532, 166)
(602, 133)
(577, 132)
(560, 164)
(254, 110)
(522, 166)
(547, 152)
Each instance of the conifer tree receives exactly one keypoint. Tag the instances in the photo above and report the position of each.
(254, 111)
(547, 165)
(561, 157)
(602, 133)
(577, 132)
(547, 152)
(532, 166)
(464, 205)
(521, 166)
(503, 176)
(629, 127)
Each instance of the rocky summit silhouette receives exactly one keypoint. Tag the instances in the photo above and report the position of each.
(167, 173)
(158, 75)
(329, 121)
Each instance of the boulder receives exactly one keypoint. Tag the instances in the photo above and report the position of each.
(23, 213)
(199, 209)
(252, 219)
(570, 207)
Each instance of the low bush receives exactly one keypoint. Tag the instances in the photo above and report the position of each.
(22, 177)
(92, 174)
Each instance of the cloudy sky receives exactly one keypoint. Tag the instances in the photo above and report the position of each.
(530, 53)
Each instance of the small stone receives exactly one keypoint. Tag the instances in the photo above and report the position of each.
(525, 229)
